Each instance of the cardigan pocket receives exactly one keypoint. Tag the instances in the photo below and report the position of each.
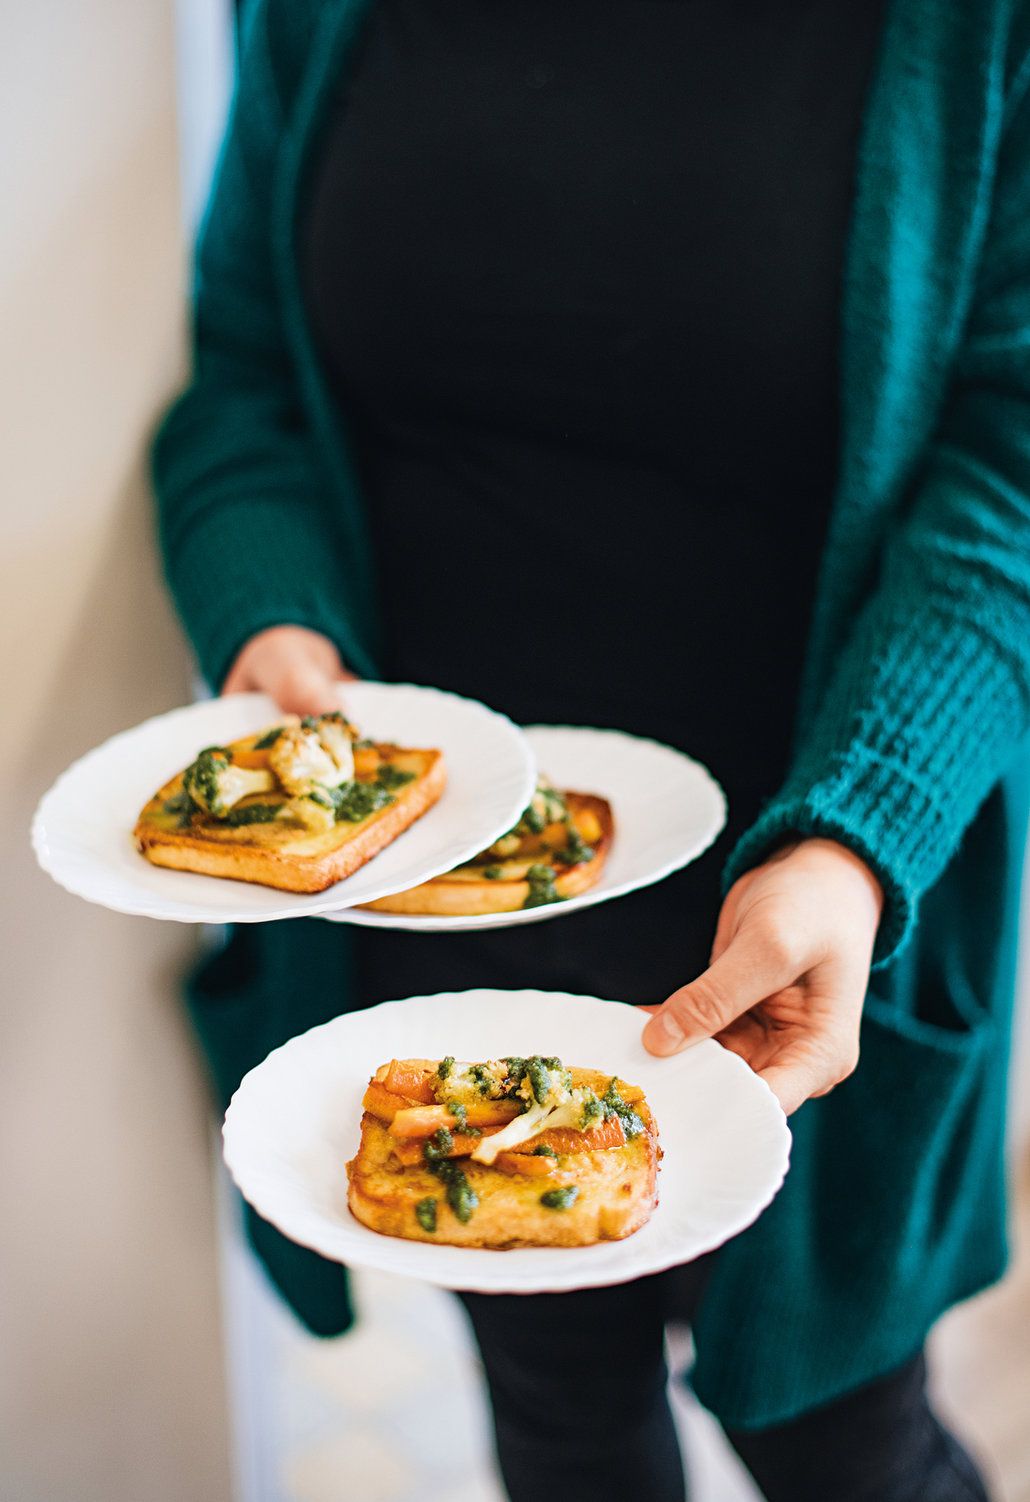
(920, 1096)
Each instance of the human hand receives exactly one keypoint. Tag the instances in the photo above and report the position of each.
(788, 974)
(298, 668)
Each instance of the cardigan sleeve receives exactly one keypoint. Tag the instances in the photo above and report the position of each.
(929, 701)
(247, 537)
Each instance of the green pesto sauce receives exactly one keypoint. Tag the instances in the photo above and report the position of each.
(593, 1112)
(354, 801)
(459, 1193)
(532, 822)
(560, 1199)
(614, 1105)
(181, 808)
(539, 1078)
(575, 850)
(391, 777)
(425, 1213)
(481, 1078)
(253, 813)
(542, 890)
(438, 1146)
(200, 779)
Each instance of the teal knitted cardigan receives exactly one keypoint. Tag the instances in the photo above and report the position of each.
(911, 741)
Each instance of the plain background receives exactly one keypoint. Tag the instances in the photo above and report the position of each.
(110, 1352)
(111, 1359)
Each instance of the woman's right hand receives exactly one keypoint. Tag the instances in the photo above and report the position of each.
(296, 667)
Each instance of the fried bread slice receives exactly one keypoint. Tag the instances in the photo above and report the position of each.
(503, 885)
(278, 852)
(589, 1194)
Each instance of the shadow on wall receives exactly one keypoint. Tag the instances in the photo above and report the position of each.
(109, 1331)
(123, 658)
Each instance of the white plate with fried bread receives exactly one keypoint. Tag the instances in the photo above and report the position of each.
(653, 808)
(472, 767)
(302, 1116)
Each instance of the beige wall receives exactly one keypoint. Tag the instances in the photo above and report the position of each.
(110, 1358)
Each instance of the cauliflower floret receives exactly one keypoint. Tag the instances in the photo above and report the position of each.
(544, 1082)
(215, 785)
(580, 1110)
(302, 762)
(310, 811)
(338, 735)
(471, 1083)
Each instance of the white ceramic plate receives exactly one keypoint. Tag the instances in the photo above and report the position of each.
(294, 1122)
(668, 810)
(82, 832)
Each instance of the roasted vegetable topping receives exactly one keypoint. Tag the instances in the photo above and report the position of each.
(215, 785)
(313, 754)
(549, 1101)
(575, 849)
(614, 1105)
(547, 806)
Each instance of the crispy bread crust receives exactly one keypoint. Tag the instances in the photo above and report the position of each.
(325, 859)
(465, 899)
(617, 1193)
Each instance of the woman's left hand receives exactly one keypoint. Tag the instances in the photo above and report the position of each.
(788, 974)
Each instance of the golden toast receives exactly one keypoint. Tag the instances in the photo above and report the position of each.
(298, 806)
(509, 1153)
(557, 850)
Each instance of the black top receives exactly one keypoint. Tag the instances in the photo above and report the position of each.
(575, 269)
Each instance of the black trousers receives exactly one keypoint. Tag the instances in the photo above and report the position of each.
(578, 1387)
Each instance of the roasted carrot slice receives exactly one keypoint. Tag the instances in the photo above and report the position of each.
(411, 1077)
(588, 825)
(409, 1149)
(631, 1094)
(423, 1121)
(568, 1140)
(248, 757)
(366, 761)
(527, 1164)
(382, 1102)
